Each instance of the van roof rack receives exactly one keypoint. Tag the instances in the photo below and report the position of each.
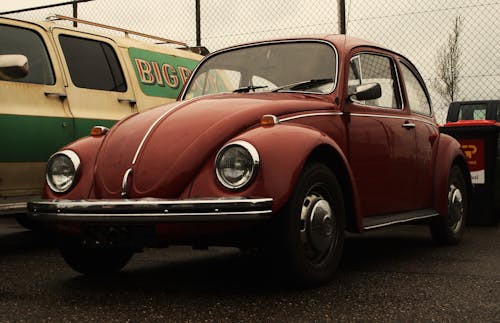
(126, 31)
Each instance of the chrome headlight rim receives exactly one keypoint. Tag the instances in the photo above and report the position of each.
(75, 160)
(246, 180)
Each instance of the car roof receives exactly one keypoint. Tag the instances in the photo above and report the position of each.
(343, 43)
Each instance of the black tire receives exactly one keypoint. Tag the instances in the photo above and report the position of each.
(95, 261)
(449, 230)
(311, 228)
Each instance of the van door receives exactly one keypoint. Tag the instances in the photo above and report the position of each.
(34, 118)
(99, 90)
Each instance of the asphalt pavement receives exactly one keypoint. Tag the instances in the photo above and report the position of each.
(395, 274)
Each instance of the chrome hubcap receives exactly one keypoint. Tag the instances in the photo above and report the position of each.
(317, 229)
(455, 208)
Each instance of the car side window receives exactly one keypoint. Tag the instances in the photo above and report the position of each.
(92, 64)
(415, 91)
(372, 68)
(16, 40)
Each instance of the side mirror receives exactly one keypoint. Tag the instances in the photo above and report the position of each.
(364, 92)
(13, 67)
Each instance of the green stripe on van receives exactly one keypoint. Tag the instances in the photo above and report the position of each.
(34, 139)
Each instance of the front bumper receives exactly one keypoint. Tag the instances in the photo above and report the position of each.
(150, 210)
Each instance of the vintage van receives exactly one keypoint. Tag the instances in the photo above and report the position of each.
(57, 82)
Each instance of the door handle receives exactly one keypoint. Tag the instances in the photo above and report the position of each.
(61, 96)
(129, 101)
(408, 125)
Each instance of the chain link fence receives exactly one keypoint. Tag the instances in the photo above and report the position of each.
(417, 29)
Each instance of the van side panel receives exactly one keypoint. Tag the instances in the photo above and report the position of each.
(159, 74)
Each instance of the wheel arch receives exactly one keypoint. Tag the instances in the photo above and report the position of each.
(281, 166)
(449, 154)
(334, 160)
(461, 162)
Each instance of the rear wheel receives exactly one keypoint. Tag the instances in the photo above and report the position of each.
(449, 229)
(311, 227)
(95, 261)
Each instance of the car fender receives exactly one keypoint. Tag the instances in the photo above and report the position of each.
(284, 150)
(448, 153)
(87, 149)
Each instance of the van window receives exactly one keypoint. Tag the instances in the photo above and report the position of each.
(15, 40)
(92, 64)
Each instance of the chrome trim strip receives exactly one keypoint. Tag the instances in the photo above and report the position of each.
(13, 208)
(151, 129)
(424, 121)
(311, 115)
(409, 117)
(125, 182)
(154, 217)
(145, 202)
(150, 210)
(421, 217)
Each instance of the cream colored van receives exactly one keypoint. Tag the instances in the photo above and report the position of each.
(57, 82)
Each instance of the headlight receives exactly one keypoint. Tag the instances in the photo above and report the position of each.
(62, 169)
(236, 164)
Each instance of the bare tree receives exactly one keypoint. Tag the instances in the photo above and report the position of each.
(449, 65)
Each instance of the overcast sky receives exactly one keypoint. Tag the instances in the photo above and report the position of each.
(6, 5)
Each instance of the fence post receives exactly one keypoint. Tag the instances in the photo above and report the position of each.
(198, 23)
(75, 13)
(341, 9)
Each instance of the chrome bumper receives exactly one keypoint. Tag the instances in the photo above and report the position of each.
(150, 210)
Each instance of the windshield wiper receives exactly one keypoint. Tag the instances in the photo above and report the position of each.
(304, 85)
(246, 89)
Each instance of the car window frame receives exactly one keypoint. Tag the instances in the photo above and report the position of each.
(187, 86)
(394, 71)
(416, 73)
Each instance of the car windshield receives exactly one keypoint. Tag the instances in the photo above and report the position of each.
(303, 66)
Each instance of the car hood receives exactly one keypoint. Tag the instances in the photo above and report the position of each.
(166, 147)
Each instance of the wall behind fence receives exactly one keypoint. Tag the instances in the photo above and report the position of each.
(415, 29)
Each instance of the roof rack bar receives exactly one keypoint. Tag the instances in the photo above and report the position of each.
(125, 31)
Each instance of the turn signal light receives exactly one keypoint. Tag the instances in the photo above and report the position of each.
(98, 131)
(269, 120)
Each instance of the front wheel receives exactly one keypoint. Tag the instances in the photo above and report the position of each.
(449, 229)
(95, 261)
(311, 227)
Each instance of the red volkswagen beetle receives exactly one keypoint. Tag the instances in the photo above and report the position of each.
(282, 144)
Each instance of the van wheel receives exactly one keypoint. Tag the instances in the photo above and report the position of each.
(95, 261)
(312, 228)
(449, 230)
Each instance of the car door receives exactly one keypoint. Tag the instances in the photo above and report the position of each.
(381, 138)
(34, 118)
(99, 90)
(426, 132)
